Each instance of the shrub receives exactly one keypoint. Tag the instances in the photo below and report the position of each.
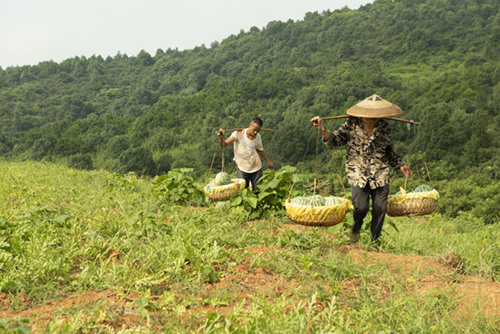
(163, 164)
(178, 187)
(80, 161)
(138, 160)
(117, 145)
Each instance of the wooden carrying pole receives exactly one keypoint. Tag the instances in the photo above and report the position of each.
(230, 130)
(347, 116)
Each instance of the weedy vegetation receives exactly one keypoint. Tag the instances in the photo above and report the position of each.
(90, 251)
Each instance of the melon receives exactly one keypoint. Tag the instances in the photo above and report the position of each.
(222, 205)
(300, 200)
(333, 201)
(222, 179)
(317, 200)
(422, 188)
(211, 185)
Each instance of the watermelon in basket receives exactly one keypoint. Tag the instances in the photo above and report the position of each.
(333, 201)
(323, 211)
(300, 201)
(222, 179)
(223, 192)
(421, 201)
(317, 200)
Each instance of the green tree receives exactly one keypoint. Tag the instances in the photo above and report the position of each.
(80, 161)
(138, 160)
(117, 145)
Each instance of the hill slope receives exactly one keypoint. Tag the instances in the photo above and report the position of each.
(437, 59)
(77, 248)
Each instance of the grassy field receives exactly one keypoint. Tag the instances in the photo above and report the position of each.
(82, 254)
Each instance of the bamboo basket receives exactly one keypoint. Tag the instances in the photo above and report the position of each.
(409, 205)
(412, 207)
(318, 215)
(224, 193)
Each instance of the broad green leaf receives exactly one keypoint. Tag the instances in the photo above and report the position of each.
(61, 219)
(301, 178)
(141, 302)
(236, 200)
(252, 201)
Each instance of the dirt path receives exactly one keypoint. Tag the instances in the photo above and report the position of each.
(420, 274)
(423, 275)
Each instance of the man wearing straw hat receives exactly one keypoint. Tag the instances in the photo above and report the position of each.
(247, 152)
(369, 153)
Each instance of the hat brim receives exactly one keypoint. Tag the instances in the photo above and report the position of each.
(389, 111)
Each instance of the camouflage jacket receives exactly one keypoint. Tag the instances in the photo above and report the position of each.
(367, 158)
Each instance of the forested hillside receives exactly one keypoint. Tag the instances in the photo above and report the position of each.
(437, 59)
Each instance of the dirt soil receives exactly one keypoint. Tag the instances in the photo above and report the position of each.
(420, 274)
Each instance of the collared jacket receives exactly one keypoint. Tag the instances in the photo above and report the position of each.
(367, 158)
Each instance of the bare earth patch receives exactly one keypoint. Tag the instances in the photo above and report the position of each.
(420, 274)
(475, 294)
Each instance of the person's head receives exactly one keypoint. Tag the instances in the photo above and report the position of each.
(370, 121)
(254, 127)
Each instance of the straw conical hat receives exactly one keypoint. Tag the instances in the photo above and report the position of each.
(374, 107)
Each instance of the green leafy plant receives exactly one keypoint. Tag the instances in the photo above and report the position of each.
(274, 189)
(14, 325)
(178, 187)
(129, 180)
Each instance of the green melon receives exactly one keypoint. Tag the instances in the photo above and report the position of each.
(211, 185)
(222, 179)
(333, 201)
(422, 188)
(300, 201)
(221, 205)
(317, 200)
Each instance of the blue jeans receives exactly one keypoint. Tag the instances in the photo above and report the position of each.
(250, 177)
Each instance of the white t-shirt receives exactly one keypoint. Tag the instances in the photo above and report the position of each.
(245, 154)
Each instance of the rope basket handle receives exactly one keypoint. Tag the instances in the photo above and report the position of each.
(314, 193)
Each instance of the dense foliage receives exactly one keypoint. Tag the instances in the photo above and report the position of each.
(437, 59)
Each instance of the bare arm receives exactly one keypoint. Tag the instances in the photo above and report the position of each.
(225, 143)
(263, 156)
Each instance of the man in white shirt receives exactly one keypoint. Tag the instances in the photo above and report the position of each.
(247, 152)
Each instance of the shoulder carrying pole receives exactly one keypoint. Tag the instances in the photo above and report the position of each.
(239, 129)
(390, 118)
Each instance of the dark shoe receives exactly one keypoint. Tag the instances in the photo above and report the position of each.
(354, 237)
(374, 246)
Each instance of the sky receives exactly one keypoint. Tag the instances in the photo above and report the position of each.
(32, 31)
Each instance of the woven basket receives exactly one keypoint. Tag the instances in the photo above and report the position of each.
(317, 215)
(224, 193)
(412, 207)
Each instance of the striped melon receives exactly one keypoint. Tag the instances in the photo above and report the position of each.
(422, 188)
(222, 179)
(300, 201)
(317, 200)
(333, 201)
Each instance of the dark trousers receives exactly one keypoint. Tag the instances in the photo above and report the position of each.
(250, 177)
(361, 203)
